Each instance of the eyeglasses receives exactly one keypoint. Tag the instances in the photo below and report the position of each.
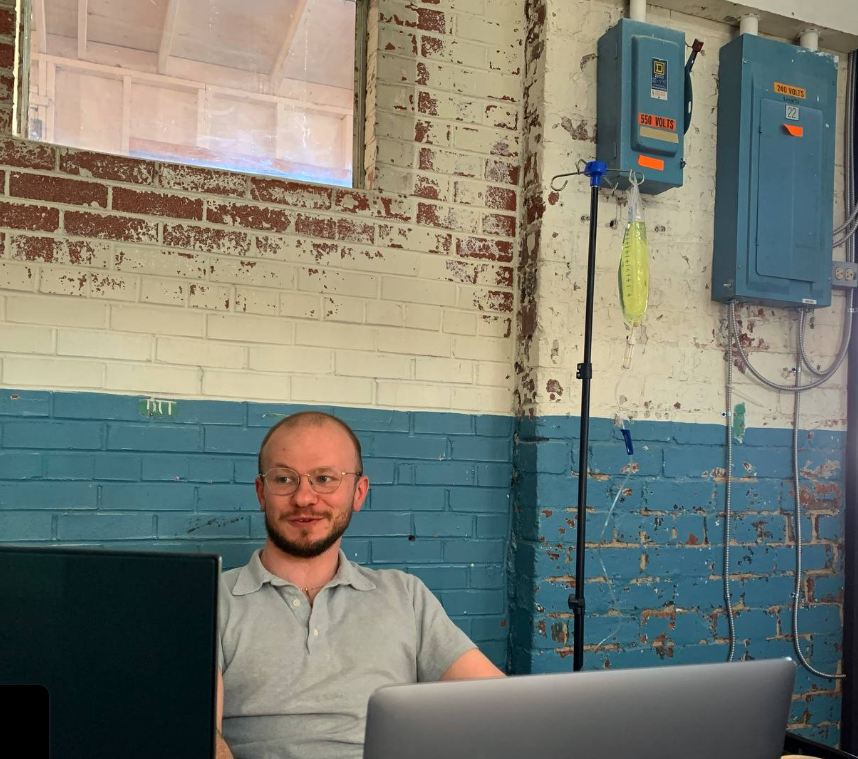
(284, 481)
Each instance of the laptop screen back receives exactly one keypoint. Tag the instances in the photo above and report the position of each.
(708, 711)
(123, 642)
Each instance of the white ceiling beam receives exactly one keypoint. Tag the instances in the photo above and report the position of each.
(41, 25)
(167, 36)
(278, 71)
(82, 12)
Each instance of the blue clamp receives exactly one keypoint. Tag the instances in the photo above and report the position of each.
(596, 170)
(627, 437)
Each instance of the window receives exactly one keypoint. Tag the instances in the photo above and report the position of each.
(264, 86)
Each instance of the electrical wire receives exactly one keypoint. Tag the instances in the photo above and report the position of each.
(728, 598)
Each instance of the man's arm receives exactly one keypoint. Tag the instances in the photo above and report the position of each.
(221, 749)
(471, 664)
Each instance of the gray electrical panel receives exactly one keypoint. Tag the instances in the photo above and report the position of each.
(774, 174)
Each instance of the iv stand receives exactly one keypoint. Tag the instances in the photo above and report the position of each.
(595, 170)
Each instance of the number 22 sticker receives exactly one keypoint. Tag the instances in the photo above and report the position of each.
(792, 112)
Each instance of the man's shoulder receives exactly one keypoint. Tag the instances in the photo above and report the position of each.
(389, 580)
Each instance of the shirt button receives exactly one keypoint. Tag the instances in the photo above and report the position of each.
(296, 602)
(315, 632)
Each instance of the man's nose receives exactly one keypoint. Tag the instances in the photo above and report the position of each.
(305, 494)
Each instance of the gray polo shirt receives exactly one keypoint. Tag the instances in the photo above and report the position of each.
(297, 678)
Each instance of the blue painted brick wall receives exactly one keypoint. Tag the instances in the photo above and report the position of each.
(654, 559)
(89, 469)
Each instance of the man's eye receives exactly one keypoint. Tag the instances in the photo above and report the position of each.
(325, 478)
(284, 479)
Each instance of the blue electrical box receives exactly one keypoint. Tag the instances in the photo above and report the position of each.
(774, 174)
(641, 101)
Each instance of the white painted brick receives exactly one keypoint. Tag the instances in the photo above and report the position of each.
(109, 285)
(418, 291)
(20, 338)
(459, 322)
(394, 126)
(489, 325)
(251, 329)
(414, 342)
(255, 386)
(55, 311)
(290, 359)
(339, 308)
(171, 350)
(164, 292)
(336, 336)
(143, 259)
(484, 29)
(413, 395)
(158, 321)
(398, 236)
(210, 297)
(301, 305)
(72, 342)
(252, 272)
(444, 370)
(423, 317)
(332, 281)
(19, 371)
(385, 312)
(252, 300)
(360, 364)
(14, 276)
(482, 400)
(139, 378)
(499, 374)
(482, 348)
(333, 389)
(59, 281)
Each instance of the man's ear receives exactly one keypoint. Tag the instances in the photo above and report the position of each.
(361, 490)
(260, 492)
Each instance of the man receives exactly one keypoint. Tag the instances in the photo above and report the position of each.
(306, 636)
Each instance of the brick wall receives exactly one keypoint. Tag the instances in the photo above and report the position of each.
(137, 276)
(93, 469)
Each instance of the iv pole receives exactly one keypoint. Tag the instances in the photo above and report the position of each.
(595, 170)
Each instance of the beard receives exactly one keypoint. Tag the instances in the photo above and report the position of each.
(303, 548)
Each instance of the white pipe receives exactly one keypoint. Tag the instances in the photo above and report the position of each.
(749, 24)
(809, 39)
(637, 10)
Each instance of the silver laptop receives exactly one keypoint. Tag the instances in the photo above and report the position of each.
(705, 711)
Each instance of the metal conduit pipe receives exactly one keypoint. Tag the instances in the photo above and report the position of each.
(809, 39)
(637, 10)
(749, 24)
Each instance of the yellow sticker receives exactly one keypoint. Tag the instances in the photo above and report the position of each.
(788, 89)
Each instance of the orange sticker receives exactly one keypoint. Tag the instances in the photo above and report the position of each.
(789, 89)
(795, 131)
(651, 163)
(659, 122)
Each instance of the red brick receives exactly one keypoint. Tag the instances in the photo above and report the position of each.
(6, 119)
(246, 215)
(7, 55)
(86, 224)
(27, 155)
(494, 300)
(352, 201)
(112, 167)
(431, 21)
(427, 104)
(18, 216)
(426, 187)
(501, 198)
(7, 87)
(391, 207)
(490, 250)
(446, 218)
(156, 204)
(198, 179)
(51, 250)
(422, 76)
(498, 224)
(500, 171)
(316, 226)
(430, 47)
(291, 193)
(7, 23)
(355, 231)
(57, 190)
(206, 239)
(503, 276)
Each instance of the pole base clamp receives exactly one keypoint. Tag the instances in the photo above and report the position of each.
(576, 605)
(585, 371)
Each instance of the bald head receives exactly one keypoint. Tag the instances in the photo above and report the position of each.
(305, 419)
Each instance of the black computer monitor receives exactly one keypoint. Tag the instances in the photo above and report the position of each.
(123, 642)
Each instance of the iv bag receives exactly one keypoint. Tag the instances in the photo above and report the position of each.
(633, 272)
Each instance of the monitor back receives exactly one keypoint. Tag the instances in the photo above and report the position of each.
(707, 711)
(123, 642)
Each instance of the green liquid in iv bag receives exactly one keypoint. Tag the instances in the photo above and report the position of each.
(633, 273)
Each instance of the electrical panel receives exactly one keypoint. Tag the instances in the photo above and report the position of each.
(774, 174)
(641, 101)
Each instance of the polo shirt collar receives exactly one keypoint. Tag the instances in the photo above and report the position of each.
(253, 576)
